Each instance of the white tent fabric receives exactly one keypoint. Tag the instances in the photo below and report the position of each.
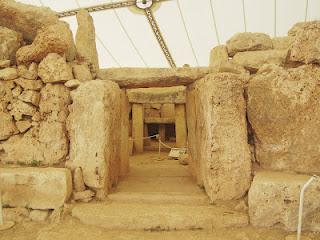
(125, 39)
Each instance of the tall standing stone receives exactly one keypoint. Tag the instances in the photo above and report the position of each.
(181, 125)
(85, 40)
(137, 126)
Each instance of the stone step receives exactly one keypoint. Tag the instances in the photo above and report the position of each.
(160, 198)
(156, 217)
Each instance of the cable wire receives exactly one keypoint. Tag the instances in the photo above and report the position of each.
(306, 11)
(244, 15)
(128, 36)
(214, 22)
(187, 32)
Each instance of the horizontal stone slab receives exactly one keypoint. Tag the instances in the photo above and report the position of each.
(274, 201)
(36, 188)
(152, 77)
(164, 95)
(159, 120)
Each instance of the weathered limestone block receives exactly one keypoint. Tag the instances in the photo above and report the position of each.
(138, 127)
(158, 95)
(229, 67)
(8, 74)
(93, 126)
(74, 83)
(306, 45)
(181, 125)
(39, 215)
(152, 77)
(167, 111)
(221, 135)
(15, 214)
(45, 145)
(54, 68)
(36, 188)
(248, 41)
(282, 43)
(54, 102)
(274, 201)
(18, 109)
(218, 55)
(254, 60)
(86, 41)
(16, 91)
(27, 84)
(30, 96)
(10, 42)
(85, 196)
(28, 73)
(56, 38)
(81, 72)
(300, 26)
(78, 183)
(5, 94)
(4, 63)
(24, 125)
(25, 18)
(283, 111)
(7, 126)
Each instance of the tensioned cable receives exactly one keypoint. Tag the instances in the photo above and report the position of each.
(214, 22)
(244, 16)
(275, 18)
(306, 11)
(102, 43)
(187, 32)
(128, 36)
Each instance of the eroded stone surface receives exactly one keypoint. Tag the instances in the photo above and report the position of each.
(28, 73)
(283, 110)
(25, 18)
(30, 96)
(218, 55)
(274, 200)
(218, 133)
(94, 145)
(86, 41)
(306, 45)
(29, 84)
(54, 68)
(10, 42)
(18, 109)
(282, 43)
(7, 126)
(248, 41)
(8, 74)
(56, 38)
(81, 72)
(253, 60)
(36, 188)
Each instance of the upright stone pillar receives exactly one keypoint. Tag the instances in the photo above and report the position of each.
(124, 147)
(137, 127)
(181, 126)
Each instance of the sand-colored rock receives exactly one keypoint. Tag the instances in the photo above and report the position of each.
(74, 83)
(5, 94)
(15, 214)
(229, 67)
(4, 64)
(167, 111)
(25, 18)
(8, 74)
(86, 41)
(152, 77)
(30, 96)
(124, 138)
(23, 126)
(7, 126)
(55, 38)
(282, 43)
(306, 45)
(16, 91)
(248, 41)
(158, 95)
(78, 183)
(81, 72)
(29, 84)
(18, 109)
(217, 126)
(35, 188)
(283, 111)
(254, 60)
(218, 55)
(274, 201)
(54, 102)
(10, 42)
(54, 68)
(95, 136)
(85, 196)
(28, 73)
(39, 215)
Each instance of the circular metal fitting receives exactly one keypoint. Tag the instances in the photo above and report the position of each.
(144, 4)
